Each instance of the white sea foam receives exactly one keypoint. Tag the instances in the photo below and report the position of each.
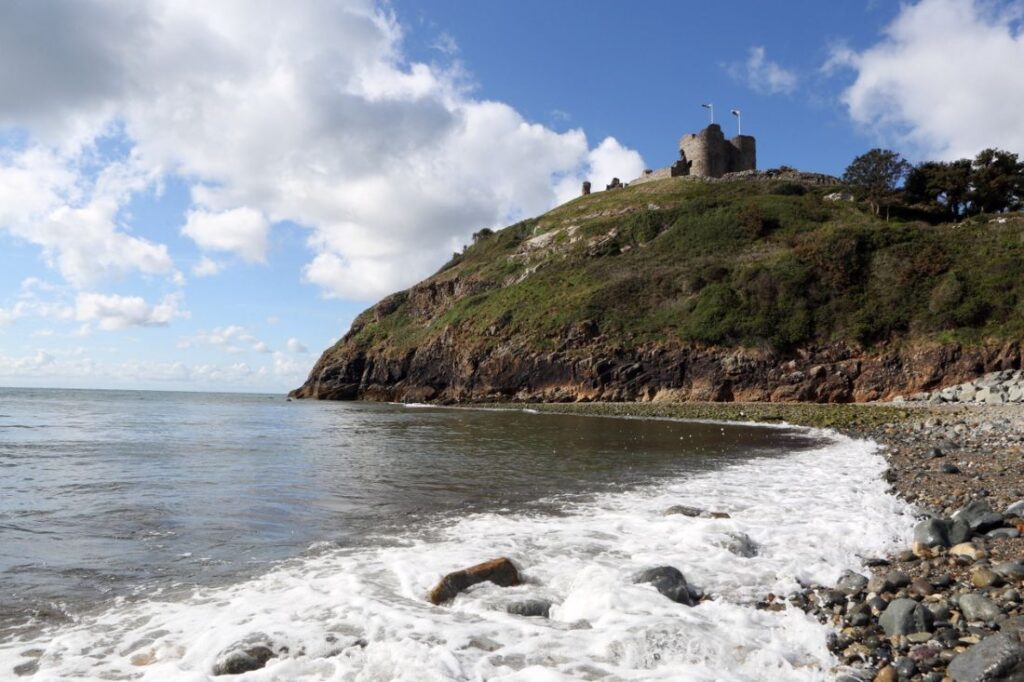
(813, 514)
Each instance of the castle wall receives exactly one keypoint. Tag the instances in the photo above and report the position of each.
(744, 155)
(710, 155)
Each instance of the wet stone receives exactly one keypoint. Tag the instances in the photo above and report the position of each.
(1002, 533)
(904, 617)
(983, 576)
(530, 608)
(1011, 570)
(26, 668)
(501, 572)
(852, 583)
(932, 533)
(246, 655)
(741, 545)
(980, 517)
(920, 587)
(959, 531)
(976, 607)
(669, 581)
(999, 657)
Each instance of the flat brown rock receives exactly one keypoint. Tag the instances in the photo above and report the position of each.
(499, 571)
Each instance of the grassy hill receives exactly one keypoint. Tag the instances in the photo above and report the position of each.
(758, 264)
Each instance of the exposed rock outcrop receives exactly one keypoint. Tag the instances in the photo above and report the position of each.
(583, 369)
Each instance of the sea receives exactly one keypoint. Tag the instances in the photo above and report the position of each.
(142, 534)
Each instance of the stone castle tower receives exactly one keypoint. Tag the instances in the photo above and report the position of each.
(708, 154)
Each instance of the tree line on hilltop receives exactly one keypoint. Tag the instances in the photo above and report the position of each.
(993, 182)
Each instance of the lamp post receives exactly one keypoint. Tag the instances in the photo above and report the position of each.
(739, 121)
(710, 108)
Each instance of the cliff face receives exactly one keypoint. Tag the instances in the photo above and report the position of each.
(680, 290)
(444, 372)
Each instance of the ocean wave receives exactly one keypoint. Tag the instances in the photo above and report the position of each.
(360, 613)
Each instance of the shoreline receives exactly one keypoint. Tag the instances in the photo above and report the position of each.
(940, 459)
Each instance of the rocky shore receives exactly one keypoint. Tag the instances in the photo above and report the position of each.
(950, 606)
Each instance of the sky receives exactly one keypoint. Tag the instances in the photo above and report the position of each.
(202, 196)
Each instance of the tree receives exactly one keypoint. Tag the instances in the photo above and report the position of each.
(997, 182)
(942, 184)
(875, 175)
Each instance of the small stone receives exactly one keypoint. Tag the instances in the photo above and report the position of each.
(949, 468)
(741, 545)
(919, 637)
(887, 674)
(530, 608)
(1011, 570)
(248, 654)
(932, 533)
(694, 512)
(683, 510)
(897, 579)
(905, 667)
(27, 668)
(904, 617)
(1016, 509)
(984, 576)
(921, 587)
(940, 610)
(979, 516)
(959, 531)
(976, 607)
(1002, 533)
(852, 583)
(966, 549)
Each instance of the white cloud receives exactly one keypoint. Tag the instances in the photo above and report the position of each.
(303, 112)
(45, 201)
(608, 160)
(295, 346)
(945, 79)
(15, 312)
(241, 230)
(74, 367)
(231, 339)
(285, 366)
(763, 75)
(206, 267)
(112, 312)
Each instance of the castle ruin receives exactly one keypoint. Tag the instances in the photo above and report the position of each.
(708, 154)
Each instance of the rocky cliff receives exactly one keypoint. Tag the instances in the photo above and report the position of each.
(680, 289)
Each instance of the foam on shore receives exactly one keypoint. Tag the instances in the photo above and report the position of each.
(813, 514)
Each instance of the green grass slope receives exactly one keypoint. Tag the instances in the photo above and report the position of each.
(754, 263)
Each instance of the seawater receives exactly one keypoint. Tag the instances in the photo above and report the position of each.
(142, 533)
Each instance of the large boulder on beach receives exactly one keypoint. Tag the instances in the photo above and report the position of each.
(499, 571)
(905, 617)
(248, 654)
(669, 581)
(997, 658)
